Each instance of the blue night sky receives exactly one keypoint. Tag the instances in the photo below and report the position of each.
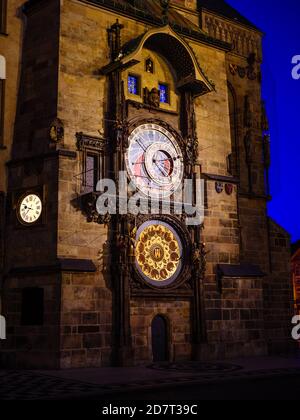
(280, 21)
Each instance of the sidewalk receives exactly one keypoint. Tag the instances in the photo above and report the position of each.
(110, 382)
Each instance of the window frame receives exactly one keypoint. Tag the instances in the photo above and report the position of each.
(168, 102)
(96, 147)
(139, 84)
(96, 169)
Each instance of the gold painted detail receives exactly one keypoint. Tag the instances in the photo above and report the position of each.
(158, 253)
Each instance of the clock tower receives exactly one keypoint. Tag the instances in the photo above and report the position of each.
(120, 103)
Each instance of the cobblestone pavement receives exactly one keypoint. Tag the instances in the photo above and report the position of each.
(22, 385)
(81, 384)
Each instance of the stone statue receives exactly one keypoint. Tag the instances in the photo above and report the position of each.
(152, 97)
(56, 131)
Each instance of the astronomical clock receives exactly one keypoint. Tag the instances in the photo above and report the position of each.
(153, 139)
(155, 166)
(154, 160)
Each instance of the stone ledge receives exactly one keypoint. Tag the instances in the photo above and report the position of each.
(62, 265)
(221, 178)
(239, 271)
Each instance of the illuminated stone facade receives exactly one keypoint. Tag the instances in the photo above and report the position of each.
(76, 110)
(296, 278)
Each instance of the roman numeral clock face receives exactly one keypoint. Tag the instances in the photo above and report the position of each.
(30, 209)
(154, 161)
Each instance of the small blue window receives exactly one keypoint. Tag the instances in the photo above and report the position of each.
(164, 93)
(133, 85)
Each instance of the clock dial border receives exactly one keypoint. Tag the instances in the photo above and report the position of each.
(19, 212)
(167, 228)
(173, 136)
(17, 198)
(143, 287)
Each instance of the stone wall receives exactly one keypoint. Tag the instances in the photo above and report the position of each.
(11, 49)
(65, 45)
(176, 312)
(234, 313)
(86, 322)
(25, 345)
(37, 97)
(278, 293)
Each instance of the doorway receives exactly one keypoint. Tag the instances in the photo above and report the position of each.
(160, 341)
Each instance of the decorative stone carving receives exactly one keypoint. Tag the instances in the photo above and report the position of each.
(241, 72)
(229, 189)
(199, 259)
(219, 187)
(89, 142)
(88, 207)
(56, 131)
(191, 150)
(152, 97)
(251, 71)
(244, 41)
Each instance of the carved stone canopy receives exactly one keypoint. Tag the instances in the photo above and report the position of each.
(169, 44)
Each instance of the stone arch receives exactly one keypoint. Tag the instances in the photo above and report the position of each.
(160, 338)
(166, 42)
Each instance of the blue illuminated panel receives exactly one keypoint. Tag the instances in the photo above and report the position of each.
(164, 93)
(133, 85)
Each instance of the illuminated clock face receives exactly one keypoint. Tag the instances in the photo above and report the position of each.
(30, 209)
(154, 161)
(158, 253)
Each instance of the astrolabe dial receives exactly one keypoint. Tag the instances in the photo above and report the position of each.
(158, 253)
(154, 161)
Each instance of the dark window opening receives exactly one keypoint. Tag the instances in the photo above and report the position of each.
(160, 339)
(93, 161)
(3, 10)
(164, 93)
(32, 307)
(92, 172)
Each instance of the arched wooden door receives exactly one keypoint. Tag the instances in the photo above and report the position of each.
(160, 340)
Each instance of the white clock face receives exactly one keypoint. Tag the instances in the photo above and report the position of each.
(30, 209)
(154, 161)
